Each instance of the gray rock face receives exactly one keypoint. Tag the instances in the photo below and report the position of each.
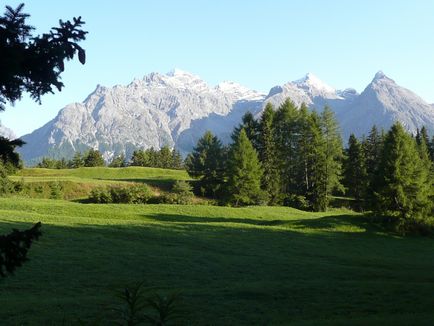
(150, 112)
(177, 108)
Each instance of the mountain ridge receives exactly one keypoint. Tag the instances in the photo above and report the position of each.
(176, 108)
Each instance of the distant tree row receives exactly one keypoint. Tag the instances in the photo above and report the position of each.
(163, 158)
(91, 158)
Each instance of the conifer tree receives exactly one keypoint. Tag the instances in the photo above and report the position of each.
(250, 126)
(118, 161)
(267, 155)
(355, 174)
(303, 150)
(207, 162)
(431, 149)
(164, 157)
(316, 165)
(333, 151)
(176, 159)
(372, 147)
(286, 138)
(403, 186)
(93, 158)
(77, 161)
(244, 172)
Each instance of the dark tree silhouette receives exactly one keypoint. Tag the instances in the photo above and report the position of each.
(33, 64)
(30, 64)
(14, 247)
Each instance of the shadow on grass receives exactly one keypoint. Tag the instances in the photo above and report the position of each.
(231, 275)
(319, 223)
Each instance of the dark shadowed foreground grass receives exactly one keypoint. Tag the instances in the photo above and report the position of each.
(246, 266)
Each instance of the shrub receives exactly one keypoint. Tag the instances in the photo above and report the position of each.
(181, 194)
(137, 194)
(297, 201)
(56, 190)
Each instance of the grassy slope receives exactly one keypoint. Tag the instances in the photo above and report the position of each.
(257, 265)
(77, 183)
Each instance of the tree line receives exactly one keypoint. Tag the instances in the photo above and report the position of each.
(162, 158)
(293, 156)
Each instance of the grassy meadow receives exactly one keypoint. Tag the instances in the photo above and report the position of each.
(233, 266)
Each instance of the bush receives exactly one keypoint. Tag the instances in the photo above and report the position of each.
(137, 194)
(297, 201)
(56, 190)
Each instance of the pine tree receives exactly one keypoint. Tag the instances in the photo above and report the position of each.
(373, 148)
(244, 172)
(93, 158)
(333, 152)
(176, 159)
(355, 174)
(118, 162)
(251, 127)
(403, 186)
(316, 165)
(302, 150)
(207, 162)
(165, 157)
(286, 138)
(431, 149)
(77, 161)
(267, 155)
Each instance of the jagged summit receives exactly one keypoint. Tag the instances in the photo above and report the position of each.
(176, 108)
(311, 81)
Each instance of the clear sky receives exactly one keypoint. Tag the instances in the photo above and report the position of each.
(256, 43)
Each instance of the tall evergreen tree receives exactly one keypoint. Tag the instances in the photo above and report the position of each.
(333, 151)
(77, 161)
(316, 175)
(355, 174)
(164, 157)
(93, 158)
(250, 126)
(244, 172)
(431, 149)
(207, 163)
(286, 139)
(403, 186)
(373, 148)
(267, 155)
(176, 159)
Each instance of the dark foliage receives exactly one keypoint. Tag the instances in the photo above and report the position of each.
(14, 247)
(34, 64)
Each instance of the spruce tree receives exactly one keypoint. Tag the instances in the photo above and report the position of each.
(267, 155)
(207, 162)
(286, 138)
(355, 174)
(373, 148)
(118, 161)
(176, 160)
(316, 165)
(251, 127)
(403, 186)
(93, 158)
(77, 161)
(244, 172)
(333, 151)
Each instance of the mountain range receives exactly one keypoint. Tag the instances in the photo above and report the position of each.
(176, 108)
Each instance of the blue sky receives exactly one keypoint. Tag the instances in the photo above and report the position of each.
(256, 43)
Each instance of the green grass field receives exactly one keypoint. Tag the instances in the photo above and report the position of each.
(78, 183)
(234, 266)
